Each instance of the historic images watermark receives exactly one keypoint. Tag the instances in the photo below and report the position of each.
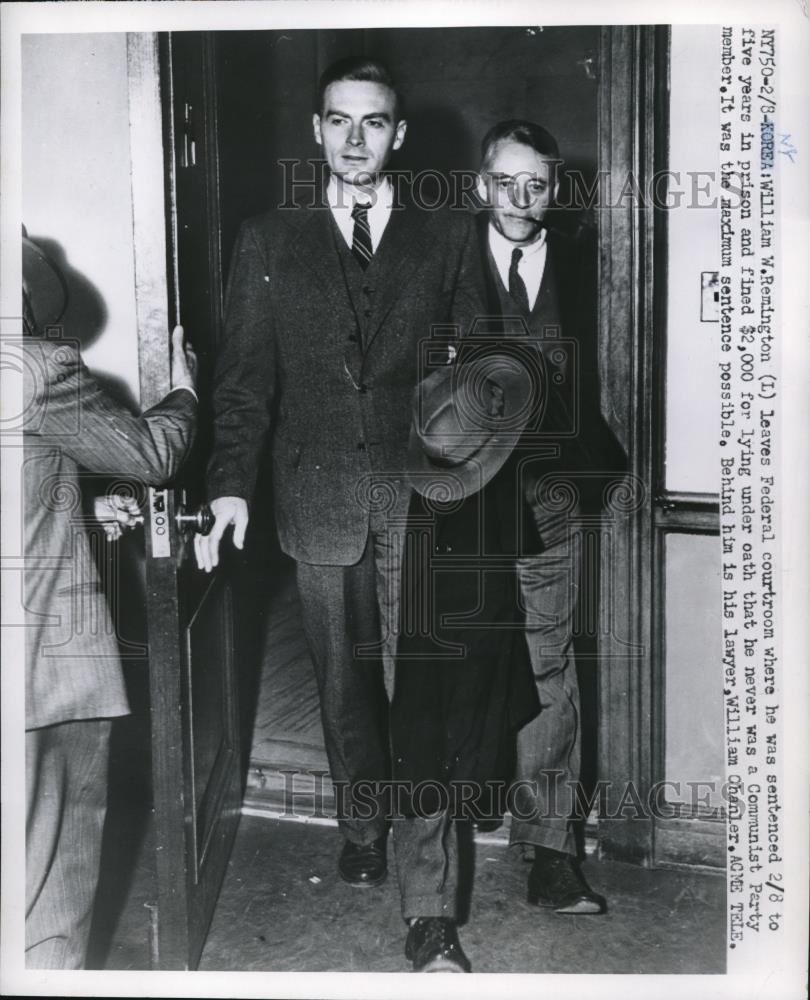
(311, 794)
(430, 190)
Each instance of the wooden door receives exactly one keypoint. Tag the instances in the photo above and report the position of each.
(196, 770)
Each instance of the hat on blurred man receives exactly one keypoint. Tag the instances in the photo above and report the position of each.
(43, 284)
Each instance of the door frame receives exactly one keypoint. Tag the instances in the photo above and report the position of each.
(189, 870)
(152, 310)
(626, 106)
(633, 140)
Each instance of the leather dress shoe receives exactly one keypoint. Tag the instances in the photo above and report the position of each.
(555, 881)
(432, 945)
(364, 864)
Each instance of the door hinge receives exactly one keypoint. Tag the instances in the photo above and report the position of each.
(188, 157)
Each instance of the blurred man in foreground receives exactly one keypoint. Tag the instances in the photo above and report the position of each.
(73, 680)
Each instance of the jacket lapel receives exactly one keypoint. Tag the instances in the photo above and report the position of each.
(561, 273)
(313, 244)
(559, 269)
(402, 248)
(491, 279)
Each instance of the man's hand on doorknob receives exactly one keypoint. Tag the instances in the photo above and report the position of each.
(227, 511)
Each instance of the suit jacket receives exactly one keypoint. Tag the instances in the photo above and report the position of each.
(586, 453)
(72, 664)
(339, 413)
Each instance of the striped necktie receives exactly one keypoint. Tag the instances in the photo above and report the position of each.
(517, 289)
(362, 247)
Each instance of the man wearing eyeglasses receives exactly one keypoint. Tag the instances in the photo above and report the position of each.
(537, 275)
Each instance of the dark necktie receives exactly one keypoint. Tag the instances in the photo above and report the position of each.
(516, 287)
(362, 247)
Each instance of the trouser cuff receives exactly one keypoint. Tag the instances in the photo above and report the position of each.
(431, 905)
(362, 833)
(554, 838)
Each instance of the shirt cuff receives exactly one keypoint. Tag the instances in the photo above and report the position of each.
(188, 389)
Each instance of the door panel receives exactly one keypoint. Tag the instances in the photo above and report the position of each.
(197, 781)
(212, 711)
(196, 769)
(214, 784)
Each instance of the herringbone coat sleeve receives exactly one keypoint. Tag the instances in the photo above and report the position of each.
(66, 407)
(72, 425)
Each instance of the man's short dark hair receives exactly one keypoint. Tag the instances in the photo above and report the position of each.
(527, 133)
(358, 68)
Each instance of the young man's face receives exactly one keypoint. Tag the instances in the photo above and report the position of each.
(518, 186)
(357, 129)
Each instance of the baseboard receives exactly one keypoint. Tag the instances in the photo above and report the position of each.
(295, 787)
(696, 844)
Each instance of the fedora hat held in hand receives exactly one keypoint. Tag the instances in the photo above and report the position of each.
(468, 417)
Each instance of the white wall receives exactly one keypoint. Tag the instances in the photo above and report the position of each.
(76, 187)
(693, 692)
(694, 724)
(692, 411)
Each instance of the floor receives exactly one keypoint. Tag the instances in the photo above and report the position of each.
(287, 717)
(283, 907)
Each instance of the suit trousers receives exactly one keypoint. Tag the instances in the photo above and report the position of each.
(351, 621)
(66, 802)
(548, 747)
(426, 851)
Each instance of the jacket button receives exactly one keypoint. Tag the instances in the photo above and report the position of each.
(361, 445)
(353, 338)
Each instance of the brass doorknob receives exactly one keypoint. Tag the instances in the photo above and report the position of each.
(200, 522)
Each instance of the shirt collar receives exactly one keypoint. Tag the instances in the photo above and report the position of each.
(341, 197)
(502, 247)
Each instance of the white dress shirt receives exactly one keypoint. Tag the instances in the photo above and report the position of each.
(530, 267)
(341, 199)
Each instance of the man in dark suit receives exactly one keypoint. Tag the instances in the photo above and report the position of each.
(546, 281)
(326, 307)
(74, 686)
